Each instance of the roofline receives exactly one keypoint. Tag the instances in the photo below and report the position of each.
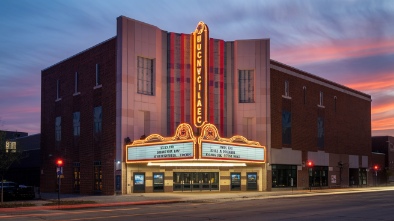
(323, 79)
(79, 53)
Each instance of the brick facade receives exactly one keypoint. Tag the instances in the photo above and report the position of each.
(347, 124)
(346, 115)
(88, 147)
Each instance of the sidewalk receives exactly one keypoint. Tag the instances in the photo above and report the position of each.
(179, 197)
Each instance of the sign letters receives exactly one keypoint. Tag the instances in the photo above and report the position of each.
(232, 152)
(200, 74)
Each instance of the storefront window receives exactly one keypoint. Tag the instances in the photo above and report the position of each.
(362, 175)
(318, 176)
(284, 175)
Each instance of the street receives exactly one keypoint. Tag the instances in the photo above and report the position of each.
(349, 206)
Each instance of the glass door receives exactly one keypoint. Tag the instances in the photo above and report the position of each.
(195, 181)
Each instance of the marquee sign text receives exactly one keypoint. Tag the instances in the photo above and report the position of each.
(161, 151)
(232, 152)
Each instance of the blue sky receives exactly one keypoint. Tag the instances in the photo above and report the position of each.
(348, 42)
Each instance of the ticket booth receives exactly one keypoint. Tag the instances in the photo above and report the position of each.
(236, 181)
(251, 181)
(139, 183)
(158, 182)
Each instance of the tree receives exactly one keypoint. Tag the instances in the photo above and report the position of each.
(7, 158)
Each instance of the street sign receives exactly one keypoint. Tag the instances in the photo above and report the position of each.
(59, 172)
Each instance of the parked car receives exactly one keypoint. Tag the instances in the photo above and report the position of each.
(14, 191)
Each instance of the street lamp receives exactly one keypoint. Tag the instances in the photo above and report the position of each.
(376, 169)
(310, 165)
(59, 173)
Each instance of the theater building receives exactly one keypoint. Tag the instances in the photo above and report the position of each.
(150, 110)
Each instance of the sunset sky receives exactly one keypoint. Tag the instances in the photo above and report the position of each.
(348, 42)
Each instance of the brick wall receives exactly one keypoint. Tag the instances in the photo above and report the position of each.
(86, 148)
(347, 124)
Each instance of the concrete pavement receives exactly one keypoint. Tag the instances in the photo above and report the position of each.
(178, 197)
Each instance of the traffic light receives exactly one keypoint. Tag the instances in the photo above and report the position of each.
(59, 162)
(309, 163)
(376, 167)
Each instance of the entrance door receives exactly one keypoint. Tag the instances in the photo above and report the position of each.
(252, 181)
(196, 181)
(117, 182)
(235, 181)
(139, 183)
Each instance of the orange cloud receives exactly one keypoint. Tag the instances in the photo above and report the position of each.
(340, 49)
(374, 83)
(382, 108)
(383, 124)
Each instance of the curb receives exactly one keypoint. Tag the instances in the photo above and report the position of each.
(90, 205)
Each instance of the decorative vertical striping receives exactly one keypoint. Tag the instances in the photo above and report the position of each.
(172, 82)
(211, 85)
(182, 80)
(221, 85)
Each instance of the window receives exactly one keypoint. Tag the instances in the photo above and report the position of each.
(304, 93)
(362, 176)
(58, 89)
(98, 116)
(286, 127)
(98, 77)
(318, 176)
(321, 99)
(246, 86)
(58, 129)
(284, 175)
(287, 93)
(10, 146)
(335, 104)
(77, 123)
(145, 76)
(76, 83)
(98, 176)
(320, 132)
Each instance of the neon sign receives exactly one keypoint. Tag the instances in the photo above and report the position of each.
(232, 152)
(200, 74)
(162, 151)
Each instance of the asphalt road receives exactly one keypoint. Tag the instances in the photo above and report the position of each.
(352, 206)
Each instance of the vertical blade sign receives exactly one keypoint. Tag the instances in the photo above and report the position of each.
(200, 74)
